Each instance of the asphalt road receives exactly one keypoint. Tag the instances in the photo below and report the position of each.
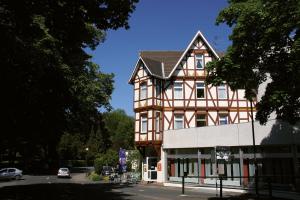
(80, 188)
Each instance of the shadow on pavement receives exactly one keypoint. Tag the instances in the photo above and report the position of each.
(61, 191)
(244, 197)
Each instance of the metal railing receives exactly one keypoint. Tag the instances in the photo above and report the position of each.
(261, 184)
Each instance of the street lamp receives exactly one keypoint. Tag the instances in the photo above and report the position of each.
(254, 147)
(86, 154)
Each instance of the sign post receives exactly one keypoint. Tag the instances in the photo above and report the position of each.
(122, 160)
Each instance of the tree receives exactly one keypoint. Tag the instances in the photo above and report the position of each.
(49, 85)
(71, 146)
(265, 47)
(120, 128)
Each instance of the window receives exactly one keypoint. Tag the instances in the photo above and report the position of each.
(201, 120)
(223, 119)
(144, 124)
(158, 88)
(178, 91)
(178, 121)
(222, 92)
(199, 61)
(157, 129)
(200, 90)
(143, 91)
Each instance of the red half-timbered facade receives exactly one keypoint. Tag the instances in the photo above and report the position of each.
(180, 121)
(170, 93)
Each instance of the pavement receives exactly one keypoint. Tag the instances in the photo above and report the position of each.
(81, 188)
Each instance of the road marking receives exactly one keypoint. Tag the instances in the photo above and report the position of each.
(141, 190)
(183, 195)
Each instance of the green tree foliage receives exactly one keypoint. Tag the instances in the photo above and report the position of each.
(48, 83)
(110, 158)
(265, 45)
(71, 146)
(120, 128)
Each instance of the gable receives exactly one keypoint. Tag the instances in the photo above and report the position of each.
(198, 45)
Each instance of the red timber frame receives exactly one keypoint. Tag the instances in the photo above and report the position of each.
(164, 103)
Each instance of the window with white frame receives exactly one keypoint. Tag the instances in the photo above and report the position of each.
(144, 123)
(222, 92)
(143, 90)
(157, 124)
(178, 90)
(178, 121)
(200, 90)
(200, 120)
(223, 119)
(199, 61)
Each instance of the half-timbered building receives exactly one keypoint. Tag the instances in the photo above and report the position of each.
(181, 122)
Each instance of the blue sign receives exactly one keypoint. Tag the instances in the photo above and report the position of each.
(122, 160)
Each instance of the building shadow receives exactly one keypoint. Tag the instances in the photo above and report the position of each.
(62, 192)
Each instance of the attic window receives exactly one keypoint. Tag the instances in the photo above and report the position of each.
(199, 61)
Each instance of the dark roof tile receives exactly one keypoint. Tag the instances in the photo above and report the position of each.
(154, 60)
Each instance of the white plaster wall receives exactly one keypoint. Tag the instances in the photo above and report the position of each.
(275, 132)
(168, 115)
(223, 103)
(243, 115)
(201, 103)
(190, 63)
(213, 92)
(213, 114)
(241, 94)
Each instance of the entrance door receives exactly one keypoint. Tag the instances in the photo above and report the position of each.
(152, 168)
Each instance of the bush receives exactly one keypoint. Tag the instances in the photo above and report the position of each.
(110, 158)
(94, 176)
(98, 164)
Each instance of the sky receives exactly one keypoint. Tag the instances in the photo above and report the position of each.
(157, 25)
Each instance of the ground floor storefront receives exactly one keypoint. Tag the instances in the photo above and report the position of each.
(235, 164)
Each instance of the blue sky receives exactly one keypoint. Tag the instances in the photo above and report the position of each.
(157, 25)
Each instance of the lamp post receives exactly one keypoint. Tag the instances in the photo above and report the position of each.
(254, 149)
(86, 156)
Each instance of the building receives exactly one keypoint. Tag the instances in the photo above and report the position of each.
(183, 125)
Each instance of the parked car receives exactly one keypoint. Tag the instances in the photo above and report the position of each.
(10, 173)
(107, 170)
(64, 172)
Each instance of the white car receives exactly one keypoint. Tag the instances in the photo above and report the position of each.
(64, 172)
(10, 173)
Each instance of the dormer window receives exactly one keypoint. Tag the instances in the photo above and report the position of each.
(199, 61)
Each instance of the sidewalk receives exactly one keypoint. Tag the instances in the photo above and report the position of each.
(236, 191)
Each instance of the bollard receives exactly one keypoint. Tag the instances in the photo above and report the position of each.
(182, 185)
(270, 187)
(221, 185)
(256, 183)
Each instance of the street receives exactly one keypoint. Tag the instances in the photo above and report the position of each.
(79, 188)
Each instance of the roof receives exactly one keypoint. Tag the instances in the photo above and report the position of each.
(160, 63)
